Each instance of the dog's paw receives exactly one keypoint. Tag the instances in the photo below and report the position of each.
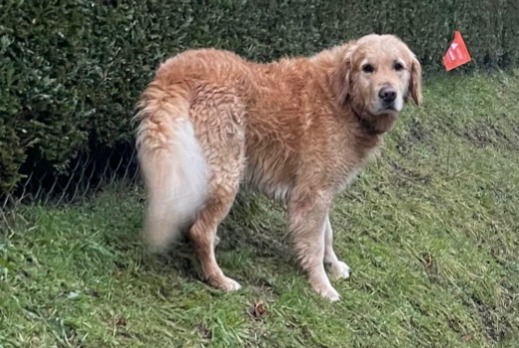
(328, 293)
(339, 270)
(325, 289)
(225, 283)
(231, 285)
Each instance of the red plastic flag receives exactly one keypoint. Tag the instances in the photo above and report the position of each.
(457, 54)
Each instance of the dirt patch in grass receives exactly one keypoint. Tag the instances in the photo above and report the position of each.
(405, 176)
(484, 134)
(494, 318)
(416, 135)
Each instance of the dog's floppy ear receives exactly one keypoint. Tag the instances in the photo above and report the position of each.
(340, 76)
(415, 82)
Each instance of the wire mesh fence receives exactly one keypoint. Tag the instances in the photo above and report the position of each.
(87, 174)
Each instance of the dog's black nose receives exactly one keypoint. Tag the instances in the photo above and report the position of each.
(387, 94)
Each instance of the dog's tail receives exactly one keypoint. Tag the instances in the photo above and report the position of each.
(172, 163)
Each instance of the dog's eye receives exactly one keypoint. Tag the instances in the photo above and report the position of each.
(398, 66)
(368, 68)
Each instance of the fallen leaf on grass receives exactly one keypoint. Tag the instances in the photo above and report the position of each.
(120, 322)
(258, 310)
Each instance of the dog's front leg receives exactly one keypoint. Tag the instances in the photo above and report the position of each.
(307, 210)
(338, 269)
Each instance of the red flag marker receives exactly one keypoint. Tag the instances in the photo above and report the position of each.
(457, 54)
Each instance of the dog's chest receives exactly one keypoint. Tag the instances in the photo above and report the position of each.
(349, 167)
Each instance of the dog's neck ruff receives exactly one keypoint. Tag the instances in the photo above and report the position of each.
(367, 123)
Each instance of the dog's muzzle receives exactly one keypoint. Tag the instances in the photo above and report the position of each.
(387, 96)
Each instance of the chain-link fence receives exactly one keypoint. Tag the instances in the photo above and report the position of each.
(88, 173)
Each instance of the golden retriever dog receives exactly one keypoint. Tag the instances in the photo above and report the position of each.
(299, 129)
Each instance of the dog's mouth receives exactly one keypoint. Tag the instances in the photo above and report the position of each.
(386, 109)
(389, 107)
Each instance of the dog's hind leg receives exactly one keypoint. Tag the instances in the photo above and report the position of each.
(307, 210)
(203, 236)
(222, 137)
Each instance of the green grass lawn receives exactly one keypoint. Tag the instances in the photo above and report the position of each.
(430, 230)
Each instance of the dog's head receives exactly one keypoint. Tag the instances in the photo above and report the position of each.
(377, 75)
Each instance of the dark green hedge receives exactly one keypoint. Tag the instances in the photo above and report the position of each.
(71, 70)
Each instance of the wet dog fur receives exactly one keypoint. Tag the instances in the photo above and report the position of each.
(299, 129)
